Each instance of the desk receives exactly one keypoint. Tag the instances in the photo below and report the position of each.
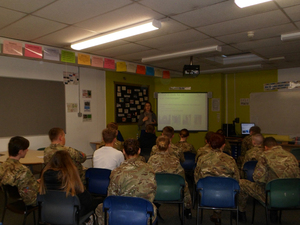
(97, 143)
(32, 157)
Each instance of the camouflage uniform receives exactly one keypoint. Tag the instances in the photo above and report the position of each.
(186, 147)
(14, 173)
(78, 157)
(173, 150)
(133, 178)
(253, 154)
(117, 145)
(246, 145)
(227, 147)
(273, 164)
(202, 151)
(163, 162)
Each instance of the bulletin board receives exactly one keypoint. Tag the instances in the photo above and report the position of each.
(130, 100)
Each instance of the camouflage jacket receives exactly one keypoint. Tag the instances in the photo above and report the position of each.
(216, 164)
(202, 151)
(117, 145)
(133, 178)
(14, 173)
(246, 144)
(227, 147)
(276, 163)
(186, 147)
(253, 154)
(173, 150)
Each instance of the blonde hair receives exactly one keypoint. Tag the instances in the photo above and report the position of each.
(163, 143)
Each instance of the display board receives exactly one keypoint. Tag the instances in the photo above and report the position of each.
(130, 102)
(182, 110)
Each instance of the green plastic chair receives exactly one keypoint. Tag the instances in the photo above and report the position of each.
(170, 190)
(41, 149)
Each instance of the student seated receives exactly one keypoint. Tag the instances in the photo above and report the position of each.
(117, 144)
(206, 148)
(13, 173)
(61, 174)
(58, 139)
(183, 144)
(254, 153)
(147, 141)
(227, 148)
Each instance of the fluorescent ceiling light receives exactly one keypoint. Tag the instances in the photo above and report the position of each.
(246, 3)
(183, 53)
(232, 69)
(118, 34)
(291, 36)
(236, 59)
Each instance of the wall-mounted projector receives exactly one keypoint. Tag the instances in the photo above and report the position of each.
(193, 70)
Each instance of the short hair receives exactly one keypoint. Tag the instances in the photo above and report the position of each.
(54, 133)
(184, 133)
(131, 146)
(150, 128)
(270, 142)
(16, 144)
(168, 131)
(208, 135)
(112, 125)
(258, 139)
(255, 130)
(216, 140)
(220, 131)
(108, 135)
(163, 143)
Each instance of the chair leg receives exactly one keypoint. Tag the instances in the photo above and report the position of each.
(280, 212)
(183, 214)
(267, 216)
(3, 214)
(201, 220)
(253, 210)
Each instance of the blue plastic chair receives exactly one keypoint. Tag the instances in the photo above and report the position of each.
(217, 193)
(249, 169)
(189, 163)
(97, 181)
(127, 210)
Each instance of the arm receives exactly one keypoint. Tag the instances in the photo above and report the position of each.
(76, 155)
(260, 173)
(154, 119)
(141, 122)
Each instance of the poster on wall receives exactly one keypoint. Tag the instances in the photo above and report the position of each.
(129, 102)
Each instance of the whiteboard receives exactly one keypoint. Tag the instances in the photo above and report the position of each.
(276, 112)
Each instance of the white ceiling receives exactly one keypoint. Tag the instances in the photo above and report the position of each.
(186, 24)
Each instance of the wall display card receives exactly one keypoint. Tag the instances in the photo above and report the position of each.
(87, 117)
(121, 67)
(140, 69)
(150, 71)
(158, 72)
(109, 63)
(277, 86)
(244, 101)
(131, 67)
(87, 106)
(215, 104)
(72, 107)
(33, 51)
(97, 61)
(166, 74)
(84, 59)
(51, 54)
(130, 101)
(67, 56)
(87, 93)
(70, 78)
(12, 48)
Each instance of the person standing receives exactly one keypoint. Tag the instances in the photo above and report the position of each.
(147, 117)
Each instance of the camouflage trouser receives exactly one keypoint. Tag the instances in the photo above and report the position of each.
(248, 188)
(187, 197)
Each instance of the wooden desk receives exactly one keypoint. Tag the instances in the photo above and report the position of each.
(32, 157)
(97, 143)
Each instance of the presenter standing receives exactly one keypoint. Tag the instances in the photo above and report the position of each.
(147, 117)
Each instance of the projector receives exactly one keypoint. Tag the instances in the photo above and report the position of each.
(193, 70)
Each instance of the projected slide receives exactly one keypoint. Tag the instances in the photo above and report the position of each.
(182, 110)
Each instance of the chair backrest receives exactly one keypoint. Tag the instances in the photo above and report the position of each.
(11, 192)
(169, 187)
(189, 163)
(249, 169)
(127, 210)
(283, 193)
(41, 149)
(97, 180)
(56, 208)
(218, 192)
(296, 152)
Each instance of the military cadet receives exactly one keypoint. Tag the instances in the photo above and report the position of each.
(254, 153)
(117, 144)
(133, 178)
(206, 148)
(217, 164)
(147, 141)
(13, 173)
(164, 162)
(58, 140)
(274, 163)
(183, 144)
(173, 149)
(227, 148)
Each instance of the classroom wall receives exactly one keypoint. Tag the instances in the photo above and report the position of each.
(79, 134)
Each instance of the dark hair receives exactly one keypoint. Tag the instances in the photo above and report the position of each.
(216, 140)
(150, 128)
(112, 126)
(255, 130)
(168, 131)
(16, 144)
(184, 133)
(54, 133)
(208, 135)
(270, 142)
(109, 135)
(220, 131)
(163, 143)
(131, 146)
(150, 106)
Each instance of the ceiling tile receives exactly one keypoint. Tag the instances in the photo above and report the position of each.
(137, 56)
(280, 50)
(25, 6)
(287, 3)
(293, 12)
(249, 45)
(8, 16)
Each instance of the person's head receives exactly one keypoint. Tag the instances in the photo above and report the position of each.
(108, 135)
(255, 130)
(184, 133)
(207, 136)
(269, 143)
(131, 147)
(257, 139)
(148, 107)
(57, 135)
(150, 129)
(112, 126)
(220, 131)
(168, 131)
(68, 173)
(163, 143)
(18, 145)
(216, 141)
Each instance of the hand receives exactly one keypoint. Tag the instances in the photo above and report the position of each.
(145, 118)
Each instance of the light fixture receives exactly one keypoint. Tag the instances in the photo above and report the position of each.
(118, 34)
(236, 59)
(291, 36)
(232, 69)
(246, 3)
(182, 53)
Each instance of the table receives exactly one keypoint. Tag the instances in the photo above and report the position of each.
(97, 143)
(33, 157)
